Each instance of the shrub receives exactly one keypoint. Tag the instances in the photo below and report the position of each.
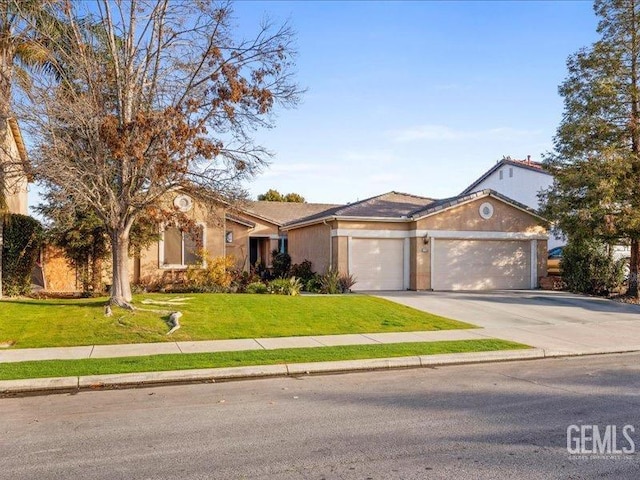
(256, 287)
(313, 285)
(346, 282)
(281, 264)
(285, 286)
(22, 239)
(303, 271)
(330, 282)
(215, 277)
(588, 267)
(241, 279)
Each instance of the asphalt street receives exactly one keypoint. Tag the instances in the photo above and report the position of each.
(506, 420)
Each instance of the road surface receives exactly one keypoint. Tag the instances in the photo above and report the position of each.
(504, 420)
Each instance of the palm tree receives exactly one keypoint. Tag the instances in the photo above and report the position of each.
(20, 51)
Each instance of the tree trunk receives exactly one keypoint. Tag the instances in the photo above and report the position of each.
(632, 289)
(120, 286)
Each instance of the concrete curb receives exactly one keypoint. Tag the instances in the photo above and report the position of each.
(132, 380)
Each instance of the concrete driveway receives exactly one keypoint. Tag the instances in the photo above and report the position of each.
(557, 322)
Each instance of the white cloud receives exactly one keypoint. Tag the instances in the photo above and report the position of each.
(442, 133)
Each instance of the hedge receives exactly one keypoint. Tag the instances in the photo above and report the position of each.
(22, 239)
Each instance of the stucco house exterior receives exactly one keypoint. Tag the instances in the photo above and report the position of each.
(396, 241)
(520, 180)
(249, 232)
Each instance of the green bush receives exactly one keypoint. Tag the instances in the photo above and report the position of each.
(588, 267)
(313, 284)
(256, 287)
(303, 271)
(285, 286)
(22, 240)
(281, 264)
(330, 282)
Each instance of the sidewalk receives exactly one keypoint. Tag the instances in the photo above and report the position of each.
(211, 346)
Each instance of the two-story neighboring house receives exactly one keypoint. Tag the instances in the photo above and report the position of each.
(13, 179)
(520, 180)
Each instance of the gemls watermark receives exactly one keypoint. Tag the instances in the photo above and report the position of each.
(601, 441)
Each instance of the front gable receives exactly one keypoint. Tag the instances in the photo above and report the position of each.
(496, 215)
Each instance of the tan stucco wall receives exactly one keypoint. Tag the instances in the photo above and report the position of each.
(311, 243)
(263, 228)
(466, 217)
(239, 248)
(397, 226)
(341, 254)
(213, 219)
(16, 182)
(420, 262)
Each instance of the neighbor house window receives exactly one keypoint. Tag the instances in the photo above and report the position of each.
(179, 248)
(501, 174)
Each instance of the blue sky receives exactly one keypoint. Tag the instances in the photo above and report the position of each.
(419, 97)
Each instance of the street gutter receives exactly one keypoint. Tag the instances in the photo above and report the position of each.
(40, 386)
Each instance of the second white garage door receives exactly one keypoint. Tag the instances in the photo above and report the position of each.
(377, 263)
(481, 264)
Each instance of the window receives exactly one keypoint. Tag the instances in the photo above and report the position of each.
(179, 249)
(283, 245)
(501, 174)
(510, 172)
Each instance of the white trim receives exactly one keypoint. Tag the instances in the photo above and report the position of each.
(481, 235)
(534, 263)
(406, 280)
(432, 258)
(453, 234)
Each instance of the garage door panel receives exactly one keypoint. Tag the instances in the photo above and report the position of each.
(481, 264)
(377, 263)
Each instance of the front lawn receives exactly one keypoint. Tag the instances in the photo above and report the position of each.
(26, 323)
(155, 363)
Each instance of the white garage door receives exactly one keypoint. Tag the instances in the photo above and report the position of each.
(481, 264)
(377, 263)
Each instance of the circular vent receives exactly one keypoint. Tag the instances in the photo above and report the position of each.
(486, 210)
(183, 203)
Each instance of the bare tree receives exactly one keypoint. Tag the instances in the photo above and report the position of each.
(154, 96)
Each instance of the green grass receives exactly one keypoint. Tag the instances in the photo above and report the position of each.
(98, 366)
(57, 323)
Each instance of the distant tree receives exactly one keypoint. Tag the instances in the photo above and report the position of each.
(596, 157)
(273, 195)
(155, 96)
(294, 198)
